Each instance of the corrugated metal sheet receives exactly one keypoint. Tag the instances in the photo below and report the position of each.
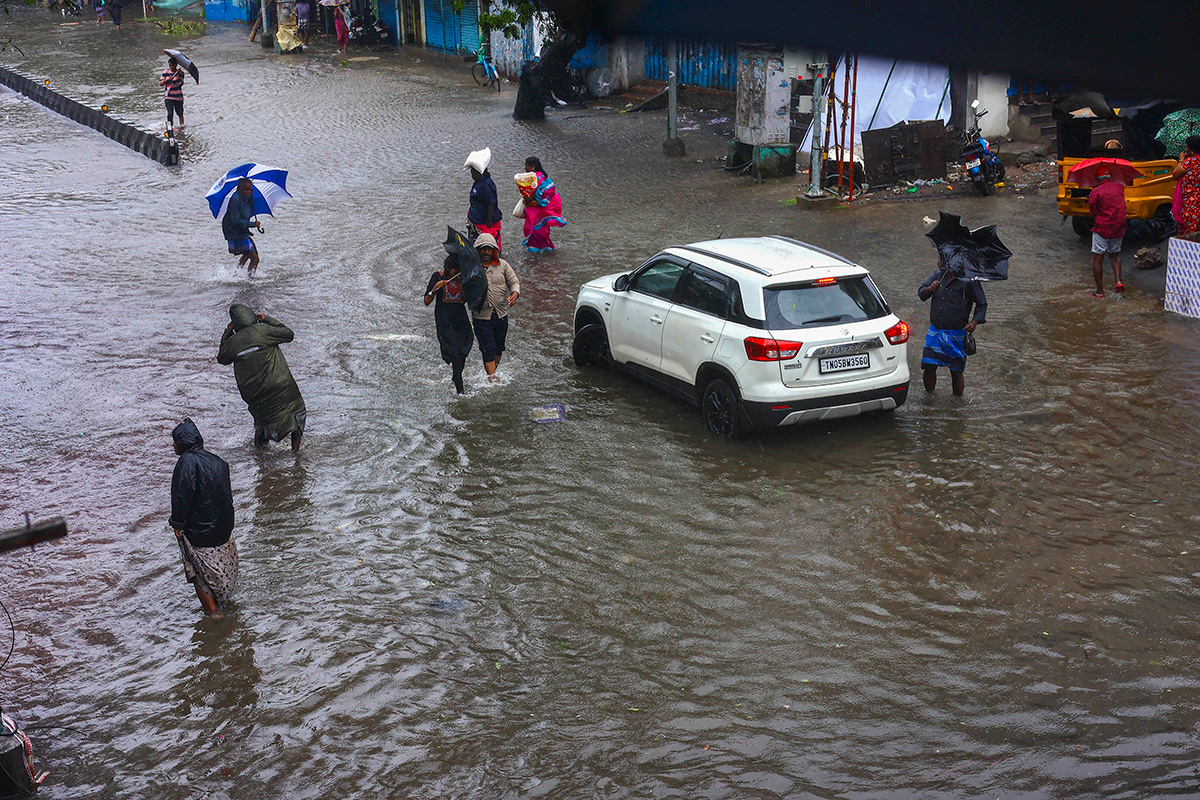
(711, 65)
(389, 14)
(456, 32)
(231, 10)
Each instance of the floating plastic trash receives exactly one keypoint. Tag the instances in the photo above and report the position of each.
(551, 413)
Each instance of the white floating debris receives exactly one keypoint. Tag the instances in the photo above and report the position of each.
(551, 413)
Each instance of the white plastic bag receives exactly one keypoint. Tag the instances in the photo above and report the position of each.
(519, 211)
(479, 160)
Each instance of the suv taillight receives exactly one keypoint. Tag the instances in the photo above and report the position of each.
(758, 349)
(898, 333)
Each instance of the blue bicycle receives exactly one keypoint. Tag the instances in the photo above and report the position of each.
(484, 72)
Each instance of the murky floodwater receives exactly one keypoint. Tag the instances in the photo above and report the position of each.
(442, 599)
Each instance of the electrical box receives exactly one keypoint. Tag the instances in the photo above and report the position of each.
(764, 97)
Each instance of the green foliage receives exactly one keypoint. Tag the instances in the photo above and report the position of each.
(510, 17)
(174, 26)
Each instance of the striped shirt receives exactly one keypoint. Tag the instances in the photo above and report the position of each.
(174, 83)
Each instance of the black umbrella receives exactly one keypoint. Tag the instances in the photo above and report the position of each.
(976, 255)
(474, 279)
(185, 62)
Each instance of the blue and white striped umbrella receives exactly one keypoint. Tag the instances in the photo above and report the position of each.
(270, 186)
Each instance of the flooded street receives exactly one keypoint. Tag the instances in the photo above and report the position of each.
(440, 598)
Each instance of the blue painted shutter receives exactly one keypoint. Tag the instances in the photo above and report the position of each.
(389, 14)
(468, 26)
(435, 29)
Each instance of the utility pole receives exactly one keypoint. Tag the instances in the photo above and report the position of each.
(268, 40)
(673, 146)
(815, 190)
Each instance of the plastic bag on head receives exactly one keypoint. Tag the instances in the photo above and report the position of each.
(479, 160)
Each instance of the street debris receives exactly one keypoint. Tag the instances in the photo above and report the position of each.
(551, 413)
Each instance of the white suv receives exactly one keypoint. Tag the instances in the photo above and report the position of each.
(758, 332)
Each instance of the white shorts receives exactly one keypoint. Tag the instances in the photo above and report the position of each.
(1100, 245)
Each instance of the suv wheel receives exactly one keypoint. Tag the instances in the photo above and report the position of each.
(721, 409)
(590, 348)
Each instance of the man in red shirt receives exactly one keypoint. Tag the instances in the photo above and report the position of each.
(1107, 203)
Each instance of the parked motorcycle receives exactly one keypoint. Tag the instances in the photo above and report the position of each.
(982, 166)
(368, 31)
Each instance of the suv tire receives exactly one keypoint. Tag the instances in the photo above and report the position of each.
(721, 409)
(590, 348)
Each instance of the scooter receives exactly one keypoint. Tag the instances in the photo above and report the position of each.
(983, 167)
(366, 30)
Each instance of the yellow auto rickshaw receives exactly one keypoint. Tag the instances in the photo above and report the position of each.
(1149, 198)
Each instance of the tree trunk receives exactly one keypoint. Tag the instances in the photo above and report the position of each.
(547, 78)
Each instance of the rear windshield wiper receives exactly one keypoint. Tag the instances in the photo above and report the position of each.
(834, 318)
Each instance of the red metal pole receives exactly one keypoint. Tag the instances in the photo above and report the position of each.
(853, 106)
(842, 134)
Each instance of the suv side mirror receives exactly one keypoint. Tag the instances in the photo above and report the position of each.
(621, 284)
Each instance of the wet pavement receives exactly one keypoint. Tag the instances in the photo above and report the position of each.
(440, 598)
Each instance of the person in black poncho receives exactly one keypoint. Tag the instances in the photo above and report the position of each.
(202, 518)
(450, 315)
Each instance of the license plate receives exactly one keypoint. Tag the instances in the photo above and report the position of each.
(842, 363)
(973, 163)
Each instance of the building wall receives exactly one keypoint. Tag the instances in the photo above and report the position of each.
(510, 54)
(992, 92)
(627, 63)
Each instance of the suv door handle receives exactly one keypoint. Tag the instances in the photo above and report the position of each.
(656, 319)
(704, 337)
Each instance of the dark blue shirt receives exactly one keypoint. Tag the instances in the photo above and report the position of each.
(951, 306)
(236, 222)
(483, 194)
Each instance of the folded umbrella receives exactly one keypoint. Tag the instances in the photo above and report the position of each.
(185, 62)
(474, 279)
(976, 255)
(270, 187)
(1087, 173)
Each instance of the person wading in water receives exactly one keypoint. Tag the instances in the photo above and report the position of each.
(451, 318)
(251, 343)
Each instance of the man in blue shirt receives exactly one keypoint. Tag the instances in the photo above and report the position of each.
(484, 214)
(237, 222)
(950, 320)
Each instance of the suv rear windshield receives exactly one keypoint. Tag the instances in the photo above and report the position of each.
(809, 305)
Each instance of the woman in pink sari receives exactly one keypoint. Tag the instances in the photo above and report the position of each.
(543, 210)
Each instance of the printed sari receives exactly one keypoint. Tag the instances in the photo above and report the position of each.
(543, 214)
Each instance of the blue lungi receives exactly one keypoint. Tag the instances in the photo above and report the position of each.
(944, 349)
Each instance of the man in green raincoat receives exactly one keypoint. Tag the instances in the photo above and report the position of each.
(251, 343)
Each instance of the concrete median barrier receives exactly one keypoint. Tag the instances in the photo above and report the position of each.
(149, 144)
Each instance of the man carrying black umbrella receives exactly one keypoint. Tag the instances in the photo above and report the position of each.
(950, 320)
(172, 81)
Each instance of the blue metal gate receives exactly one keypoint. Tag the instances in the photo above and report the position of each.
(230, 10)
(446, 30)
(710, 65)
(389, 14)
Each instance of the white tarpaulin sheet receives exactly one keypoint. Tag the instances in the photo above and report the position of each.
(889, 91)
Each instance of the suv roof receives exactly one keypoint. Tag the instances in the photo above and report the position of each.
(770, 256)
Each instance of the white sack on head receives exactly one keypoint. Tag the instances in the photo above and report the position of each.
(479, 160)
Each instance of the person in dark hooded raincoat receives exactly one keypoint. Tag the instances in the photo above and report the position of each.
(450, 316)
(251, 343)
(202, 517)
